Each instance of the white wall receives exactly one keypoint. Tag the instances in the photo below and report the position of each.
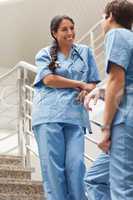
(24, 26)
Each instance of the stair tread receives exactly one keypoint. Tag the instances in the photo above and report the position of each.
(10, 160)
(10, 157)
(15, 180)
(14, 168)
(19, 181)
(22, 195)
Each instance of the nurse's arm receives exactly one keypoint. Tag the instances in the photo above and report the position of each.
(57, 81)
(113, 93)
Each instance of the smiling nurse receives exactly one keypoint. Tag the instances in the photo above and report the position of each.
(64, 70)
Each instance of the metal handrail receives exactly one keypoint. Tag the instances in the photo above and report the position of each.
(89, 32)
(10, 150)
(28, 102)
(28, 147)
(99, 46)
(30, 133)
(21, 64)
(8, 136)
(98, 38)
(30, 88)
(96, 123)
(89, 158)
(91, 140)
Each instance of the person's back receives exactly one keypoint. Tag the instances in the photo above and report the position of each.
(127, 35)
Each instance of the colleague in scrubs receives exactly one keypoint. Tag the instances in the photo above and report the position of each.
(111, 176)
(65, 70)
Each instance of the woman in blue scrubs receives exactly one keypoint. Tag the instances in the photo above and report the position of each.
(64, 70)
(111, 176)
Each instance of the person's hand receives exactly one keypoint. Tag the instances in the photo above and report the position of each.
(86, 86)
(105, 143)
(95, 94)
(81, 96)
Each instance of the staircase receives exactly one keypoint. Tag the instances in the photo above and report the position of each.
(15, 181)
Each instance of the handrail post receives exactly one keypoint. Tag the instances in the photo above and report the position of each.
(92, 40)
(20, 123)
(26, 121)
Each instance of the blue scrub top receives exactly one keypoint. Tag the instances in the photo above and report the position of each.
(119, 50)
(58, 104)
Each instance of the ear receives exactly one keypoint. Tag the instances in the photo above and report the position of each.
(111, 18)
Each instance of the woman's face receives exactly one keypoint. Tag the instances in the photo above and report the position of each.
(65, 34)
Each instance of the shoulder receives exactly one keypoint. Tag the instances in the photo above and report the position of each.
(110, 36)
(118, 35)
(44, 52)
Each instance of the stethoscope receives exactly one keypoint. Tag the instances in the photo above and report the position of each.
(77, 54)
(74, 56)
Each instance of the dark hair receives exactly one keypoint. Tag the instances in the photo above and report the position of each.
(122, 11)
(55, 23)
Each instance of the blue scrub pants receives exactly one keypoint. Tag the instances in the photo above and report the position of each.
(61, 151)
(111, 176)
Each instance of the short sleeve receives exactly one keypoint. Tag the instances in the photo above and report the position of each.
(93, 75)
(42, 61)
(117, 50)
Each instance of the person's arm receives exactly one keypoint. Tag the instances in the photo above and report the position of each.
(57, 81)
(113, 94)
(117, 54)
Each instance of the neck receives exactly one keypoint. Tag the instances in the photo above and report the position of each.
(65, 50)
(115, 25)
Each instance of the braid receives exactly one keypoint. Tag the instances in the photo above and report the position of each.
(53, 52)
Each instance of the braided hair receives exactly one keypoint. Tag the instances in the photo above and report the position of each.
(55, 23)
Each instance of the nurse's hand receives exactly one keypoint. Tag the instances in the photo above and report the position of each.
(105, 143)
(81, 96)
(85, 89)
(87, 86)
(97, 93)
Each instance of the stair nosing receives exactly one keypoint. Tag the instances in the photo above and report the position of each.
(22, 195)
(19, 181)
(14, 168)
(10, 157)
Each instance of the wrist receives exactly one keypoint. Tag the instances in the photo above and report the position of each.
(106, 127)
(80, 84)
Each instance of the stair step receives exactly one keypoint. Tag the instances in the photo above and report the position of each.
(20, 197)
(22, 187)
(14, 172)
(10, 160)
